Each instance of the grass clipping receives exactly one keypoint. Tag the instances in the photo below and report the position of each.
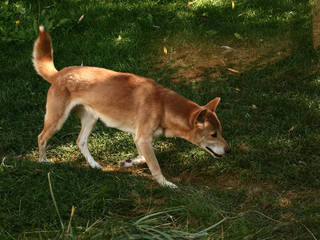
(158, 225)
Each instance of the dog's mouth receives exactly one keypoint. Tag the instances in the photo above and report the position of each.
(213, 153)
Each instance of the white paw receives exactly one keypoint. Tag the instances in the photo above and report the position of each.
(169, 185)
(126, 163)
(44, 160)
(163, 182)
(131, 162)
(94, 164)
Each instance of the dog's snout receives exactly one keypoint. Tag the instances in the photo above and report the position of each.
(227, 149)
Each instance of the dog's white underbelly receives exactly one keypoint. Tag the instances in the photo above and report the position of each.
(115, 124)
(158, 132)
(109, 122)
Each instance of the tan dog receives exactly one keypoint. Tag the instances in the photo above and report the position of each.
(131, 103)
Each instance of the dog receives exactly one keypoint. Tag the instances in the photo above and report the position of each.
(125, 101)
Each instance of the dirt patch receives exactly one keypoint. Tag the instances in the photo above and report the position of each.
(194, 62)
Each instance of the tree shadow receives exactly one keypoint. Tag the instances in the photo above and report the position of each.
(269, 113)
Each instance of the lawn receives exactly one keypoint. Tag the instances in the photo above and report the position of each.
(256, 55)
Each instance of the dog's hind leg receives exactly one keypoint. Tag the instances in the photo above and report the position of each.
(133, 161)
(56, 114)
(88, 120)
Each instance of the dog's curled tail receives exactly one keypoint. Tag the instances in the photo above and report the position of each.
(42, 56)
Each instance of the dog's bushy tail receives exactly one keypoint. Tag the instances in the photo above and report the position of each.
(42, 56)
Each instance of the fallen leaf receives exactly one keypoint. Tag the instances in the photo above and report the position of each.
(81, 18)
(254, 106)
(190, 3)
(227, 48)
(165, 50)
(244, 147)
(284, 202)
(292, 128)
(238, 36)
(233, 70)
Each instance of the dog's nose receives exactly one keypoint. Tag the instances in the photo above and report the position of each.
(227, 149)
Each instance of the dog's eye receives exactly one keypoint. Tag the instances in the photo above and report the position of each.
(214, 135)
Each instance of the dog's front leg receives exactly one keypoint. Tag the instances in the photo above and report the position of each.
(144, 145)
(133, 161)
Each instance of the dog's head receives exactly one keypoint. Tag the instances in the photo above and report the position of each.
(207, 131)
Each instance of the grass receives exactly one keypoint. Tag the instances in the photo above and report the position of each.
(268, 188)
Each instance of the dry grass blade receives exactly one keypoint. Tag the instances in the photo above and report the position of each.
(71, 215)
(308, 230)
(54, 201)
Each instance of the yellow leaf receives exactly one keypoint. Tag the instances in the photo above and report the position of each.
(233, 4)
(245, 148)
(292, 128)
(254, 106)
(190, 3)
(165, 50)
(81, 18)
(233, 70)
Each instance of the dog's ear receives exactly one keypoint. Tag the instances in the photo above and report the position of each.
(198, 118)
(213, 104)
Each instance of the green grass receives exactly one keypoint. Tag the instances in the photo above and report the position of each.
(267, 188)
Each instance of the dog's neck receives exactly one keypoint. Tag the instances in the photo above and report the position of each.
(182, 109)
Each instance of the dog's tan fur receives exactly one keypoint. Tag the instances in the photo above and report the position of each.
(131, 103)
